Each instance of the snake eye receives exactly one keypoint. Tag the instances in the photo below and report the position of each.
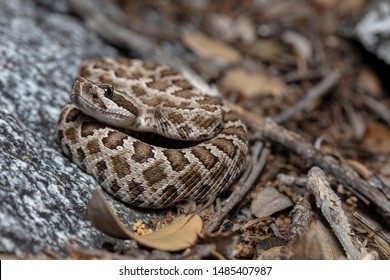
(108, 92)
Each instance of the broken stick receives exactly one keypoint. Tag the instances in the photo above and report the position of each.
(330, 206)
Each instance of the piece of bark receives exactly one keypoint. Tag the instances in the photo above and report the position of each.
(330, 206)
(301, 216)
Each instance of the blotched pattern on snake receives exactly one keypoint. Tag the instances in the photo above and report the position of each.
(201, 150)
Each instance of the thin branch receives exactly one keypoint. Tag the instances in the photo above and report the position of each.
(375, 228)
(314, 93)
(375, 181)
(291, 180)
(295, 77)
(378, 108)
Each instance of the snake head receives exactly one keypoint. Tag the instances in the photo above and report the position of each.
(104, 103)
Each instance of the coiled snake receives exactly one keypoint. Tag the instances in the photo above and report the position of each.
(113, 97)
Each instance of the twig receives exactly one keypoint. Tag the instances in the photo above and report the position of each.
(342, 172)
(381, 110)
(275, 230)
(255, 222)
(330, 205)
(375, 228)
(258, 164)
(291, 180)
(316, 92)
(251, 119)
(295, 77)
(376, 182)
(357, 121)
(125, 38)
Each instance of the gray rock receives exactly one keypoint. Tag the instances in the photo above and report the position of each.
(372, 29)
(43, 196)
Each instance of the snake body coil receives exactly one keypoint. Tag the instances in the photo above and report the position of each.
(114, 96)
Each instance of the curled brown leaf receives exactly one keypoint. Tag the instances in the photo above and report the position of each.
(179, 235)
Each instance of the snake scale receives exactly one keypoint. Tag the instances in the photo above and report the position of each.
(112, 98)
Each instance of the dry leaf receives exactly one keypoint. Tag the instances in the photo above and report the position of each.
(382, 246)
(319, 243)
(267, 50)
(368, 80)
(302, 48)
(179, 235)
(207, 47)
(377, 139)
(229, 29)
(252, 83)
(359, 168)
(357, 121)
(385, 169)
(269, 201)
(326, 3)
(222, 26)
(225, 242)
(246, 29)
(271, 254)
(344, 7)
(349, 7)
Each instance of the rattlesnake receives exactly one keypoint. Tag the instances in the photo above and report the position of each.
(113, 96)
